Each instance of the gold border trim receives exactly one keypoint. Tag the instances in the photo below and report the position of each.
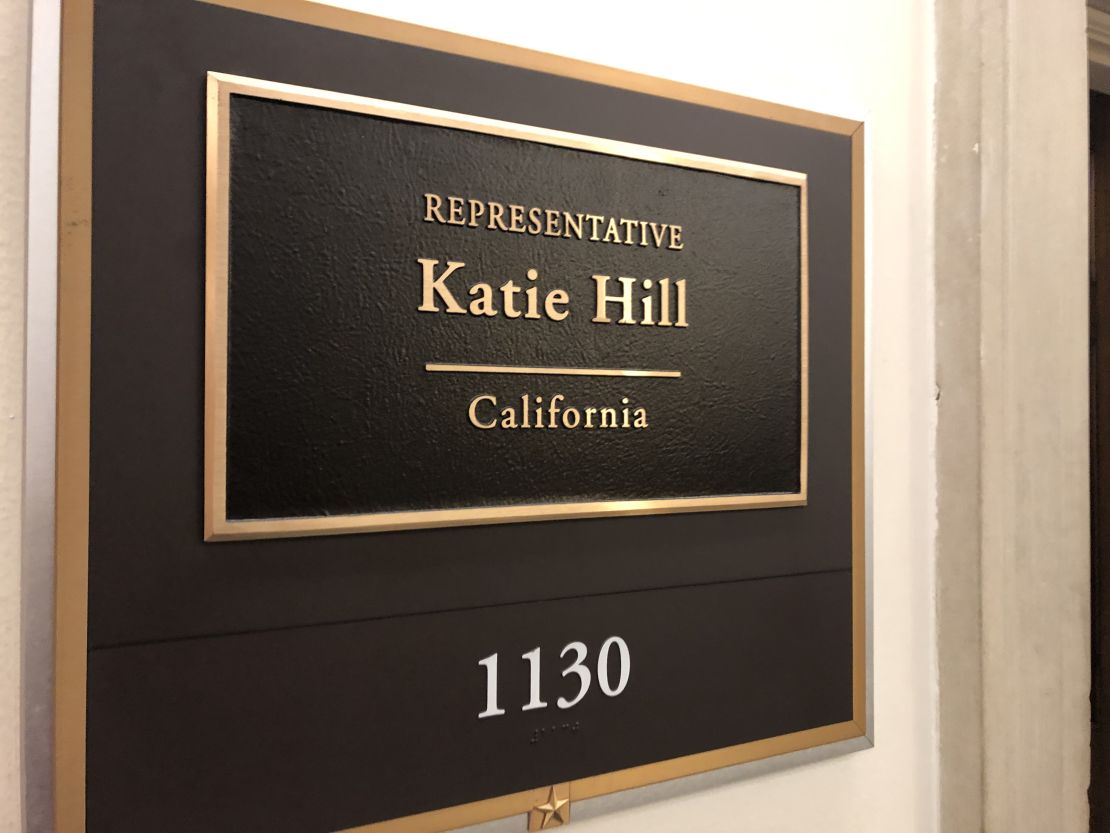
(71, 518)
(859, 436)
(217, 527)
(74, 322)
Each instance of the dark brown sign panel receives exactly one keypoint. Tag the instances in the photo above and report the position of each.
(335, 274)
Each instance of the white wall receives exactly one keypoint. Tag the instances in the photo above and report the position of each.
(39, 409)
(13, 206)
(867, 59)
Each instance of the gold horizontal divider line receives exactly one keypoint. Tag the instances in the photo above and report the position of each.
(434, 367)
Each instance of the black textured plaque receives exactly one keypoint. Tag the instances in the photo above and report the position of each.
(331, 409)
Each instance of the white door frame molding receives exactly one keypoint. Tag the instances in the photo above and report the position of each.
(1013, 543)
(1098, 49)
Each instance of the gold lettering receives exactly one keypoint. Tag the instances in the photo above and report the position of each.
(477, 209)
(530, 293)
(483, 304)
(497, 216)
(624, 299)
(473, 411)
(535, 220)
(573, 224)
(516, 218)
(434, 286)
(432, 205)
(553, 409)
(611, 233)
(551, 224)
(664, 302)
(509, 291)
(681, 287)
(456, 211)
(484, 412)
(646, 303)
(556, 296)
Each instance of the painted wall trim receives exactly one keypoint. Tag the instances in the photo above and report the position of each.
(1012, 423)
(39, 403)
(1098, 36)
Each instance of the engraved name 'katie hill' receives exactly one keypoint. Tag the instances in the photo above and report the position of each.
(448, 288)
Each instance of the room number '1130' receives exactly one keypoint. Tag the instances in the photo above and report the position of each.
(577, 668)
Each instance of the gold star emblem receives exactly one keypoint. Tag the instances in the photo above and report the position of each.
(555, 812)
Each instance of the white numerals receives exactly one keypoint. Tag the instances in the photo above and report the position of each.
(603, 666)
(490, 664)
(534, 701)
(577, 669)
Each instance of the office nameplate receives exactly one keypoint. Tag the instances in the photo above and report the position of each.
(420, 318)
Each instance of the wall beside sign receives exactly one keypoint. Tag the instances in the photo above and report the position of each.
(13, 172)
(862, 59)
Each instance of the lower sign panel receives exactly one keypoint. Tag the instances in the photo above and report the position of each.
(377, 720)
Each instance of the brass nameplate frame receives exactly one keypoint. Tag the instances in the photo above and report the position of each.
(218, 526)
